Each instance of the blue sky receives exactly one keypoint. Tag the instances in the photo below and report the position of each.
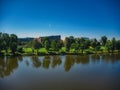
(79, 18)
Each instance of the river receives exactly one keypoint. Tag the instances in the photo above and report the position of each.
(60, 72)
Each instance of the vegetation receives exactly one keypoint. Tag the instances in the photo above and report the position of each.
(10, 45)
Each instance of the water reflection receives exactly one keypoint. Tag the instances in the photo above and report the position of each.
(111, 58)
(36, 62)
(56, 61)
(95, 58)
(69, 62)
(46, 62)
(9, 64)
(82, 59)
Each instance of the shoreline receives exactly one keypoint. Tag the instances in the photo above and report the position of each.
(39, 54)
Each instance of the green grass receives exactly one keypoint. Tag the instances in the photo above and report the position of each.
(62, 50)
(27, 50)
(42, 50)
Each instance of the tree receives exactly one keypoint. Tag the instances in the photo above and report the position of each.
(103, 40)
(109, 45)
(95, 44)
(75, 46)
(36, 45)
(46, 44)
(6, 41)
(67, 44)
(118, 45)
(72, 40)
(87, 44)
(13, 43)
(60, 44)
(113, 44)
(97, 48)
(1, 42)
(77, 40)
(82, 44)
(54, 45)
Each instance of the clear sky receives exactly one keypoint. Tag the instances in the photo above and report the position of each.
(79, 18)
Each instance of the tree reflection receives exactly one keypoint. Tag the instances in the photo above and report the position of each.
(82, 59)
(69, 62)
(20, 58)
(95, 58)
(36, 62)
(111, 58)
(77, 59)
(7, 65)
(56, 61)
(46, 62)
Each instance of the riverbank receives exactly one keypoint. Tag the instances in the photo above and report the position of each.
(57, 53)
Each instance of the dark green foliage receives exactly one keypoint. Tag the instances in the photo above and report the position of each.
(113, 46)
(13, 43)
(54, 45)
(47, 44)
(70, 44)
(1, 44)
(67, 44)
(118, 45)
(109, 45)
(20, 50)
(36, 45)
(75, 46)
(103, 40)
(6, 41)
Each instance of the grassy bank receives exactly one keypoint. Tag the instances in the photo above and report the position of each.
(62, 51)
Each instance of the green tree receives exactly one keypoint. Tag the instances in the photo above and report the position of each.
(87, 44)
(95, 44)
(67, 44)
(60, 44)
(36, 45)
(72, 40)
(54, 45)
(75, 46)
(1, 42)
(118, 45)
(13, 43)
(47, 44)
(82, 44)
(113, 44)
(109, 45)
(103, 40)
(6, 41)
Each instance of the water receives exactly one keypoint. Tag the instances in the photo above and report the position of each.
(70, 72)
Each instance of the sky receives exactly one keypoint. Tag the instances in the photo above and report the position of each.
(78, 18)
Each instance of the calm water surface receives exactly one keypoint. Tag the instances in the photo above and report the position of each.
(70, 72)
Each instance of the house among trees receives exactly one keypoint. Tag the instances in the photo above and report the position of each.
(38, 40)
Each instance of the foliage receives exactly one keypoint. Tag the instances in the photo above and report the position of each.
(9, 44)
(103, 40)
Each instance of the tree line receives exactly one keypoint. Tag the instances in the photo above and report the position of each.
(9, 42)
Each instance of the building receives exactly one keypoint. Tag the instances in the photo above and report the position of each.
(38, 40)
(56, 38)
(27, 39)
(85, 38)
